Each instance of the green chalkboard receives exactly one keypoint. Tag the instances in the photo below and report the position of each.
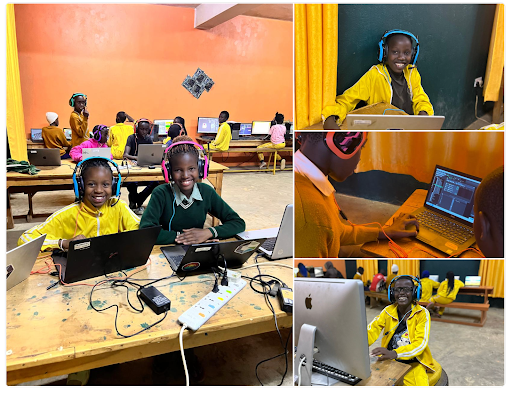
(454, 44)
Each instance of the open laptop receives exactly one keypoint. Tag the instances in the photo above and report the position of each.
(393, 122)
(36, 135)
(201, 258)
(446, 219)
(279, 243)
(44, 156)
(472, 281)
(20, 261)
(150, 154)
(67, 133)
(98, 256)
(101, 152)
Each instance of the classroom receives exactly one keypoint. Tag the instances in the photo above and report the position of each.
(149, 161)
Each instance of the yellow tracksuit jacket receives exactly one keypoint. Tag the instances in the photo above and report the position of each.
(78, 124)
(375, 87)
(418, 332)
(117, 139)
(87, 220)
(223, 137)
(443, 289)
(427, 287)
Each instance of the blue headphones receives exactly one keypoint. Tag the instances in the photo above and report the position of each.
(416, 290)
(72, 100)
(383, 46)
(78, 181)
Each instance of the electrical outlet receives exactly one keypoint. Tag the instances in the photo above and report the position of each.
(478, 82)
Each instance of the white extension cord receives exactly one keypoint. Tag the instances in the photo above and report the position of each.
(183, 353)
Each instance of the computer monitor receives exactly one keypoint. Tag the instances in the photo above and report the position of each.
(36, 135)
(163, 126)
(207, 125)
(67, 133)
(434, 277)
(336, 308)
(472, 281)
(260, 127)
(245, 129)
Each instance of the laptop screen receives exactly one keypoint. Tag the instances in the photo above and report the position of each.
(453, 193)
(245, 129)
(472, 281)
(36, 134)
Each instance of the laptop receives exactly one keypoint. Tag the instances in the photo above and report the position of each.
(446, 218)
(472, 281)
(67, 133)
(20, 261)
(101, 255)
(279, 243)
(44, 156)
(101, 152)
(150, 154)
(36, 135)
(393, 122)
(201, 258)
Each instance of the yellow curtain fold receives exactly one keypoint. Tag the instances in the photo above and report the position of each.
(14, 118)
(405, 266)
(416, 153)
(492, 272)
(370, 266)
(316, 60)
(496, 57)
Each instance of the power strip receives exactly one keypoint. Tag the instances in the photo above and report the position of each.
(203, 310)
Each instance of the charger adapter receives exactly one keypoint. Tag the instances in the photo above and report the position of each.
(285, 296)
(155, 300)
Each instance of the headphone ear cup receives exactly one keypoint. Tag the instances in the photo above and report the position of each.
(201, 166)
(81, 188)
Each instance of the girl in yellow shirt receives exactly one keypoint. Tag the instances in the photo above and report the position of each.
(446, 294)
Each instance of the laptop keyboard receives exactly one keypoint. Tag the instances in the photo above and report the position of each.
(449, 229)
(269, 244)
(208, 138)
(336, 374)
(174, 261)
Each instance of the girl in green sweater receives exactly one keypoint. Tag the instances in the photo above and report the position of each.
(180, 206)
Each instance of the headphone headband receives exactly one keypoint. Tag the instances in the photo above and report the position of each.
(97, 135)
(383, 44)
(202, 163)
(136, 123)
(416, 292)
(78, 182)
(72, 100)
(345, 144)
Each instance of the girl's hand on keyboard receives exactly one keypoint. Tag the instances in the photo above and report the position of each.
(193, 236)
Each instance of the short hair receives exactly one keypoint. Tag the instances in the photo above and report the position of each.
(138, 124)
(174, 131)
(405, 277)
(279, 118)
(360, 269)
(91, 163)
(312, 137)
(388, 38)
(182, 149)
(121, 115)
(489, 197)
(226, 114)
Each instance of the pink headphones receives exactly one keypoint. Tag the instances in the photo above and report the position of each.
(202, 163)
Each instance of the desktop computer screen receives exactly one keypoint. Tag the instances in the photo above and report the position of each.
(163, 125)
(434, 277)
(472, 281)
(207, 125)
(245, 129)
(336, 308)
(36, 135)
(260, 127)
(67, 133)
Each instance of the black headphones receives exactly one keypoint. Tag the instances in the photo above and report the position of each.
(383, 45)
(416, 289)
(72, 100)
(202, 163)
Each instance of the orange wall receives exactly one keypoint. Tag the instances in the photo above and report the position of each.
(337, 263)
(133, 58)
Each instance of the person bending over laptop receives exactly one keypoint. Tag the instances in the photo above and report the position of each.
(180, 206)
(98, 140)
(489, 220)
(320, 231)
(95, 212)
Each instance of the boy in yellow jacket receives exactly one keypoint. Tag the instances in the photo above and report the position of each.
(395, 80)
(407, 331)
(95, 213)
(221, 142)
(427, 286)
(119, 133)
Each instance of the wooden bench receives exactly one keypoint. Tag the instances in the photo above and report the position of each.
(482, 307)
(374, 296)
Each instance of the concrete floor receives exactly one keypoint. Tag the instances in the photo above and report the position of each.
(484, 120)
(260, 199)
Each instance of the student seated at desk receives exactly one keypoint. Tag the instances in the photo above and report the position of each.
(223, 137)
(78, 119)
(489, 214)
(181, 121)
(99, 140)
(407, 329)
(118, 135)
(446, 294)
(174, 131)
(94, 213)
(180, 206)
(359, 273)
(394, 80)
(54, 137)
(276, 134)
(379, 282)
(427, 286)
(320, 232)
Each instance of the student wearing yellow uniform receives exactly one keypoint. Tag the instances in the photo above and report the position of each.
(394, 273)
(95, 212)
(54, 137)
(427, 286)
(446, 294)
(119, 134)
(359, 273)
(223, 138)
(79, 119)
(406, 327)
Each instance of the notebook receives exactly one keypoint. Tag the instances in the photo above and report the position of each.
(101, 152)
(44, 156)
(446, 218)
(279, 243)
(201, 258)
(393, 122)
(101, 255)
(20, 261)
(150, 154)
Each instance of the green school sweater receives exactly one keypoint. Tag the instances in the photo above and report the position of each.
(160, 210)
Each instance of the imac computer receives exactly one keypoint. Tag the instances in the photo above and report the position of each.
(434, 277)
(330, 330)
(260, 127)
(207, 125)
(162, 125)
(245, 129)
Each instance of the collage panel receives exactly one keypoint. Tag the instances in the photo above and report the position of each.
(394, 322)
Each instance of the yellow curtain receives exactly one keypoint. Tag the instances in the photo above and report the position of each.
(370, 266)
(316, 60)
(14, 120)
(416, 153)
(496, 58)
(492, 272)
(405, 266)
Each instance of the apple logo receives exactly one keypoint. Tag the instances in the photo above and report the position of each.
(308, 302)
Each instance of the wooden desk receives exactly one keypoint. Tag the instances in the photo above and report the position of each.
(480, 290)
(375, 109)
(54, 332)
(60, 178)
(244, 143)
(381, 248)
(383, 373)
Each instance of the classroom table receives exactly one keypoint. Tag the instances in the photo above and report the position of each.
(410, 244)
(54, 332)
(243, 143)
(372, 109)
(478, 290)
(52, 178)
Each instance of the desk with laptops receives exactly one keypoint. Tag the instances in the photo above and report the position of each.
(73, 336)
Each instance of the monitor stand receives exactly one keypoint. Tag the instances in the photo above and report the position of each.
(305, 348)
